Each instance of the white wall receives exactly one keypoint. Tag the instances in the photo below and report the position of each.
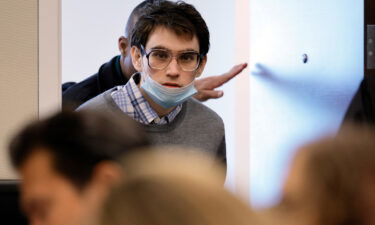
(90, 30)
(292, 102)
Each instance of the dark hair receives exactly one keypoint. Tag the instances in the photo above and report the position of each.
(136, 13)
(179, 16)
(77, 142)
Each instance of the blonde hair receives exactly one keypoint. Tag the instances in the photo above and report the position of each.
(336, 169)
(173, 188)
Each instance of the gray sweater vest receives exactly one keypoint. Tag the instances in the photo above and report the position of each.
(196, 125)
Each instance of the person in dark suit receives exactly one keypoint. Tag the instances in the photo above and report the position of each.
(361, 109)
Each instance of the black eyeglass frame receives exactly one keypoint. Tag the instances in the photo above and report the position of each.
(144, 53)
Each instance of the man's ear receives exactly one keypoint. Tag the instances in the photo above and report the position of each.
(123, 44)
(201, 66)
(136, 58)
(107, 174)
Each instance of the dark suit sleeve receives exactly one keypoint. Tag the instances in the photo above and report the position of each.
(81, 92)
(65, 86)
(361, 108)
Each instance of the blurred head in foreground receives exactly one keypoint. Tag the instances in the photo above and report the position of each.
(68, 164)
(174, 188)
(332, 181)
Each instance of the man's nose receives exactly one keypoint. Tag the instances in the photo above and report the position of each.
(173, 69)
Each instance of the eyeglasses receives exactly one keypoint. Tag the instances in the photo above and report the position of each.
(159, 59)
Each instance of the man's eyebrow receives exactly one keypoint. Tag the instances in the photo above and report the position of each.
(189, 50)
(161, 47)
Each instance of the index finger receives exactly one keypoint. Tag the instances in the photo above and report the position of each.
(225, 77)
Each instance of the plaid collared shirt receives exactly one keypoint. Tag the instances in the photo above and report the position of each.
(130, 100)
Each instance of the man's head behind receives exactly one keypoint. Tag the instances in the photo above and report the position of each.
(180, 17)
(136, 13)
(124, 41)
(67, 162)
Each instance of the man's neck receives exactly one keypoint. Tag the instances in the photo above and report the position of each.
(124, 70)
(158, 109)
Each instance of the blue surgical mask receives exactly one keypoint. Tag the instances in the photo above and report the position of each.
(164, 96)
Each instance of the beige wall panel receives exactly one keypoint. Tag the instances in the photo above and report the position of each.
(49, 57)
(19, 71)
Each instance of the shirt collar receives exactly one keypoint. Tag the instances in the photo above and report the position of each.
(131, 101)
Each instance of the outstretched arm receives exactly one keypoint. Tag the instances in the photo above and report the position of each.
(206, 86)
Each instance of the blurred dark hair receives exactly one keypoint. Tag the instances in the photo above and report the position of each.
(77, 142)
(179, 16)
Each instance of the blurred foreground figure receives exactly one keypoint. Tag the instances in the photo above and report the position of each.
(68, 164)
(174, 188)
(332, 182)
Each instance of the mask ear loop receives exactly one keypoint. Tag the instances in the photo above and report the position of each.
(144, 68)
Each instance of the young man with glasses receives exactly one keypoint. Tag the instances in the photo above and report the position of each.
(169, 43)
(119, 69)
